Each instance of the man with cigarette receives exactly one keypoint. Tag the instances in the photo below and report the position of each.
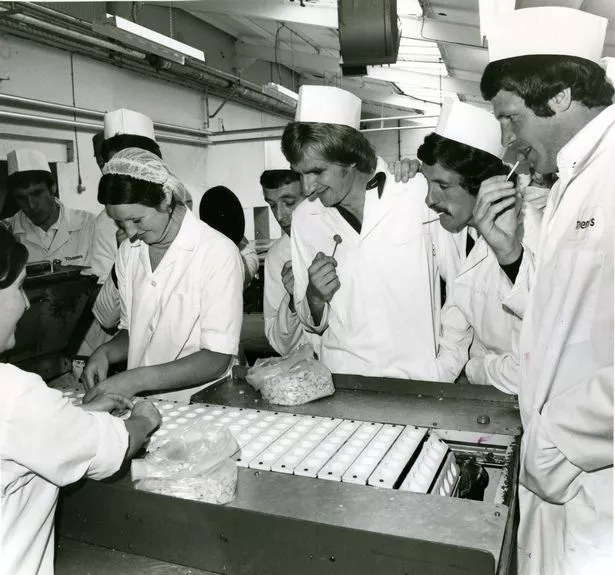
(553, 102)
(376, 303)
(477, 331)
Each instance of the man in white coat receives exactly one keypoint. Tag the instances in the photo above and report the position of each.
(554, 107)
(283, 192)
(476, 331)
(49, 229)
(375, 303)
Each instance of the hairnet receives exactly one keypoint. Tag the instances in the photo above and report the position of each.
(143, 165)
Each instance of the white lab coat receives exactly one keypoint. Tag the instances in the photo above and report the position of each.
(104, 246)
(565, 295)
(250, 260)
(283, 329)
(474, 317)
(106, 308)
(192, 301)
(45, 443)
(384, 319)
(69, 239)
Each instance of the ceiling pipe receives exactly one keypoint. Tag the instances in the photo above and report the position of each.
(395, 118)
(397, 128)
(78, 36)
(218, 137)
(61, 123)
(66, 109)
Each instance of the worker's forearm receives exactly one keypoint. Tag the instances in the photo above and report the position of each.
(317, 308)
(117, 348)
(197, 368)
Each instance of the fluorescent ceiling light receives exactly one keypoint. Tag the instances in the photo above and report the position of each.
(277, 90)
(141, 37)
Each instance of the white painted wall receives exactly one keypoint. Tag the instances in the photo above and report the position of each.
(393, 145)
(40, 72)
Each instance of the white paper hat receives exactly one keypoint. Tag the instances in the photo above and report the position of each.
(123, 121)
(26, 161)
(547, 30)
(274, 158)
(328, 105)
(609, 67)
(470, 125)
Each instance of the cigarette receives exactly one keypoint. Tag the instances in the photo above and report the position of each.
(511, 171)
(430, 221)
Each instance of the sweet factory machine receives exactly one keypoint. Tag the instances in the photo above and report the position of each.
(50, 332)
(385, 477)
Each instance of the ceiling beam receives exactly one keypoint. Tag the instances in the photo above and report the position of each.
(279, 10)
(288, 58)
(406, 77)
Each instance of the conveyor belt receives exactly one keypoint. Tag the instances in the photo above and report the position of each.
(290, 520)
(333, 449)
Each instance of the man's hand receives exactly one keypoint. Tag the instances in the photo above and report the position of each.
(322, 285)
(127, 383)
(323, 280)
(96, 369)
(495, 216)
(289, 283)
(111, 403)
(536, 196)
(405, 169)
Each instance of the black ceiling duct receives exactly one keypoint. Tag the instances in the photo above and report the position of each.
(369, 32)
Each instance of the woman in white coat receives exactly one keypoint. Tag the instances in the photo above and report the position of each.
(38, 427)
(180, 284)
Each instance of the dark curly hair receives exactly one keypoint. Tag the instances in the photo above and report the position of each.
(472, 165)
(333, 142)
(13, 257)
(274, 179)
(23, 180)
(538, 78)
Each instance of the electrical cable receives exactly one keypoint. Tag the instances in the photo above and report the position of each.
(80, 188)
(275, 52)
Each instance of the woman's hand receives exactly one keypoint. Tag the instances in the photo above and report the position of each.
(127, 383)
(96, 369)
(147, 410)
(113, 403)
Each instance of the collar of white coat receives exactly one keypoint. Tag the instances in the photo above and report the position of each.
(188, 236)
(573, 157)
(375, 183)
(71, 220)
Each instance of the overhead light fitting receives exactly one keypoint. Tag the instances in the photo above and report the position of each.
(277, 90)
(145, 39)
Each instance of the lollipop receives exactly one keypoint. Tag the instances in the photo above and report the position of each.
(338, 240)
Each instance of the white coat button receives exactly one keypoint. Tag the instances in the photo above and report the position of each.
(153, 283)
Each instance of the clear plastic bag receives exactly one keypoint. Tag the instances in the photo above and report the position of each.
(192, 464)
(292, 380)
